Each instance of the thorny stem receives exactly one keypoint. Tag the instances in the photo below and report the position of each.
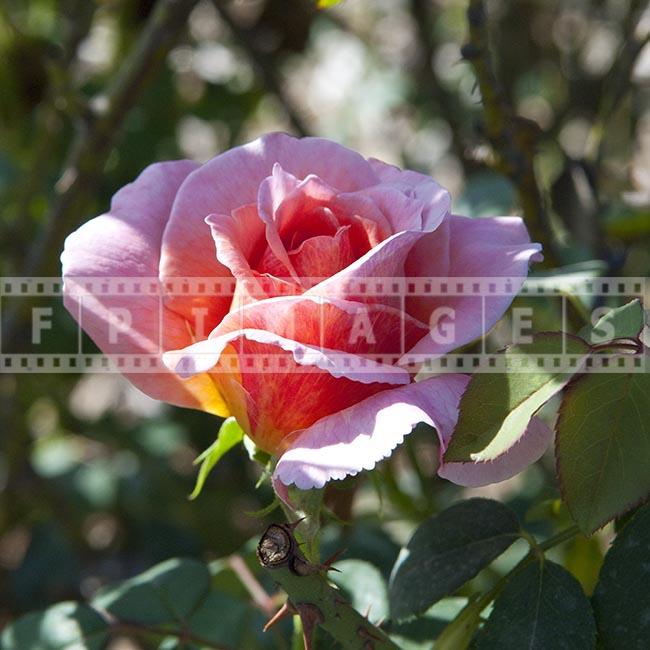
(313, 598)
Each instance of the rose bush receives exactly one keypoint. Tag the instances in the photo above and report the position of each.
(296, 224)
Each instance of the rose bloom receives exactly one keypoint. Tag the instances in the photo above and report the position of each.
(295, 225)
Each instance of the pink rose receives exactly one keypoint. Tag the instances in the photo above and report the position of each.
(297, 224)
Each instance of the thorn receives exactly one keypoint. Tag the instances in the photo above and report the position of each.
(284, 612)
(310, 616)
(367, 634)
(367, 614)
(294, 524)
(327, 565)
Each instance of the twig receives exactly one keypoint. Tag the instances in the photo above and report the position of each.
(93, 145)
(512, 137)
(261, 599)
(617, 83)
(265, 66)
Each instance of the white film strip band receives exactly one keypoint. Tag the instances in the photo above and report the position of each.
(579, 286)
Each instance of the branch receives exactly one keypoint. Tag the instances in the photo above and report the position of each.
(447, 103)
(513, 138)
(265, 67)
(48, 118)
(88, 154)
(617, 84)
(312, 597)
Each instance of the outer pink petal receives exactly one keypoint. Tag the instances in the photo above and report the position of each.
(126, 243)
(477, 248)
(358, 437)
(528, 449)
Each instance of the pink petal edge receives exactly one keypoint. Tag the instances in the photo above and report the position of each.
(358, 437)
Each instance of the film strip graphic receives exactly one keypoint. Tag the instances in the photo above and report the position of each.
(57, 343)
(575, 284)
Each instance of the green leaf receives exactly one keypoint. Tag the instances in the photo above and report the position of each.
(623, 322)
(602, 446)
(65, 626)
(496, 407)
(169, 592)
(364, 586)
(446, 551)
(323, 4)
(255, 453)
(540, 608)
(221, 620)
(229, 435)
(622, 600)
(266, 510)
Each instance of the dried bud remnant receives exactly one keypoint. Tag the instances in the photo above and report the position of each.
(277, 546)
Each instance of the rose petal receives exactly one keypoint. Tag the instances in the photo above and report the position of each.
(203, 356)
(528, 449)
(356, 438)
(301, 383)
(125, 242)
(239, 238)
(341, 325)
(335, 335)
(322, 256)
(436, 199)
(232, 179)
(387, 206)
(384, 262)
(477, 249)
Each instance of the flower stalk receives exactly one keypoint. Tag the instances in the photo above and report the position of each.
(312, 597)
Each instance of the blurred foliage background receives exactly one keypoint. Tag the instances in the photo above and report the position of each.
(94, 476)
